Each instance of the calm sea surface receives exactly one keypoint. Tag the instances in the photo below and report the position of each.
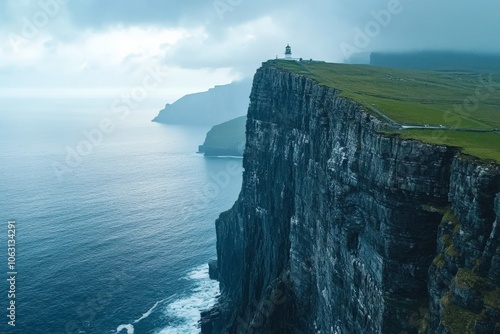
(113, 232)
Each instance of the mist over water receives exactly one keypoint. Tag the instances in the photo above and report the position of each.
(121, 239)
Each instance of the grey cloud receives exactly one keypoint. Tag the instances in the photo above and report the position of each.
(96, 13)
(445, 24)
(315, 29)
(457, 22)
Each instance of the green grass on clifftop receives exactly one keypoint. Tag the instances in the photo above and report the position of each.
(458, 100)
(227, 135)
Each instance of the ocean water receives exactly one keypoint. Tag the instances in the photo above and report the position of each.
(115, 239)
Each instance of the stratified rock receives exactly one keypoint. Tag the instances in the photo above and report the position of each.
(342, 228)
(213, 270)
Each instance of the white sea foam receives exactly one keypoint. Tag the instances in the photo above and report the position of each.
(186, 310)
(129, 328)
(227, 156)
(148, 313)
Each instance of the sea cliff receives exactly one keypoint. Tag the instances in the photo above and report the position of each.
(217, 105)
(225, 139)
(341, 227)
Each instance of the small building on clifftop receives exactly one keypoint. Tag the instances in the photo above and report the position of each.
(288, 52)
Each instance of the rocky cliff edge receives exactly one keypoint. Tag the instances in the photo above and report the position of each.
(341, 228)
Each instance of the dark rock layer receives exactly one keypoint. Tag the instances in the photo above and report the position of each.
(340, 228)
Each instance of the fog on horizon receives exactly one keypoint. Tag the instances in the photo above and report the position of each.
(61, 49)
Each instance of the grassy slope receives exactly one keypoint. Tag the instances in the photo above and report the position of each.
(228, 135)
(420, 98)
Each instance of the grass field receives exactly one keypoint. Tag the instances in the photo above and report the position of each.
(462, 100)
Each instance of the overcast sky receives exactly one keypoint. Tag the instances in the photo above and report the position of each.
(89, 48)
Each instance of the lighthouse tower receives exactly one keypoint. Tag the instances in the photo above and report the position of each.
(288, 52)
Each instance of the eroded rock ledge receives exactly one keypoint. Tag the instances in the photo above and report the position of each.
(340, 228)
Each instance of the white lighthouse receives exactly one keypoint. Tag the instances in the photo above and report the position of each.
(288, 52)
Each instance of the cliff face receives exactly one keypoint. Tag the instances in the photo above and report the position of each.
(227, 138)
(215, 106)
(340, 228)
